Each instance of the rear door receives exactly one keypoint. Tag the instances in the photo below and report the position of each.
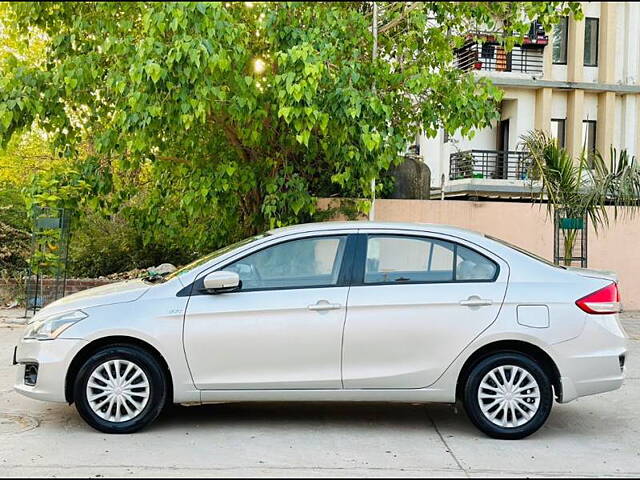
(417, 301)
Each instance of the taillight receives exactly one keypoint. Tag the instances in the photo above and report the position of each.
(605, 300)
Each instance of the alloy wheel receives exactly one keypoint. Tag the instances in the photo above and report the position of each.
(509, 396)
(118, 390)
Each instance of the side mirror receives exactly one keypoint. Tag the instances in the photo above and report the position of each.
(221, 282)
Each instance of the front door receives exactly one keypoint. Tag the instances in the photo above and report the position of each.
(418, 302)
(282, 329)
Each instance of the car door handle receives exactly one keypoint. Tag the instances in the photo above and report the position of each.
(324, 305)
(475, 301)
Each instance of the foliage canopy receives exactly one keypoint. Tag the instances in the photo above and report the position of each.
(205, 122)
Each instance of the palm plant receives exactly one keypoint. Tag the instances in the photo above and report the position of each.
(585, 187)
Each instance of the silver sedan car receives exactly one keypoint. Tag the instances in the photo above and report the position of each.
(349, 311)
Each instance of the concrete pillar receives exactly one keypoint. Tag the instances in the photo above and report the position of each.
(630, 116)
(637, 76)
(607, 42)
(634, 12)
(631, 58)
(606, 123)
(543, 109)
(575, 50)
(637, 129)
(575, 112)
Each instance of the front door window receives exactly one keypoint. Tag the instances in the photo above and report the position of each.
(304, 263)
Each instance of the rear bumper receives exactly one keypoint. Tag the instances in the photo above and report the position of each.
(593, 362)
(571, 391)
(52, 358)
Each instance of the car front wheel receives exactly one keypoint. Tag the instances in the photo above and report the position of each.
(508, 396)
(120, 389)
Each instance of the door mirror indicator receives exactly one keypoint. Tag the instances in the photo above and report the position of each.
(221, 282)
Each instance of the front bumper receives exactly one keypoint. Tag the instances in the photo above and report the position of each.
(593, 362)
(52, 358)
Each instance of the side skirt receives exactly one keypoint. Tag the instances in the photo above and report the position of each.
(362, 395)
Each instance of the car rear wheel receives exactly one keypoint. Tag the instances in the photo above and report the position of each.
(508, 396)
(120, 389)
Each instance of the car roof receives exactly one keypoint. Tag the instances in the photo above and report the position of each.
(325, 226)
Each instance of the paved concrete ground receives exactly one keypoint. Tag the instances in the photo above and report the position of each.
(593, 436)
(15, 316)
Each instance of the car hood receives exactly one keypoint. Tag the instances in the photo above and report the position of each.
(589, 272)
(120, 292)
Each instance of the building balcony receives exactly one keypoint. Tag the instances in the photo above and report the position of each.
(483, 52)
(494, 58)
(490, 165)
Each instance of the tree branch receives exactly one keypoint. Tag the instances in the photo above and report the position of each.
(230, 133)
(399, 19)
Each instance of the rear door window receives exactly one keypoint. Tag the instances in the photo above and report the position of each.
(393, 259)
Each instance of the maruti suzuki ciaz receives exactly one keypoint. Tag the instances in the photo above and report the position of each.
(336, 311)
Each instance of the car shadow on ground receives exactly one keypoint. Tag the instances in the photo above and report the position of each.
(338, 414)
(444, 418)
(366, 417)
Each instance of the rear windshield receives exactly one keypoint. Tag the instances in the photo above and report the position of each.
(526, 252)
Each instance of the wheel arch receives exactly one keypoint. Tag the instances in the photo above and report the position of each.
(85, 352)
(536, 353)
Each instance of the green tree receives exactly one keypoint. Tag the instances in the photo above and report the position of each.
(29, 150)
(26, 152)
(232, 118)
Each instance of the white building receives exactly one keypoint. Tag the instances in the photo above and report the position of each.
(581, 83)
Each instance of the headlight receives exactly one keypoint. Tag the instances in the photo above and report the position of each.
(50, 327)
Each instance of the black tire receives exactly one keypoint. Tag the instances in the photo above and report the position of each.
(472, 404)
(157, 388)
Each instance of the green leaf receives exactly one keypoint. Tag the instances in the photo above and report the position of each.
(6, 117)
(154, 71)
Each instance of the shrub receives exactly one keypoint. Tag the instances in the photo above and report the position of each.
(100, 246)
(14, 235)
(14, 248)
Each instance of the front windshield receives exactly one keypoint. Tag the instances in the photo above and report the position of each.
(526, 252)
(217, 253)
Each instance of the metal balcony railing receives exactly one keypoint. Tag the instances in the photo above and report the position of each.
(490, 164)
(491, 57)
